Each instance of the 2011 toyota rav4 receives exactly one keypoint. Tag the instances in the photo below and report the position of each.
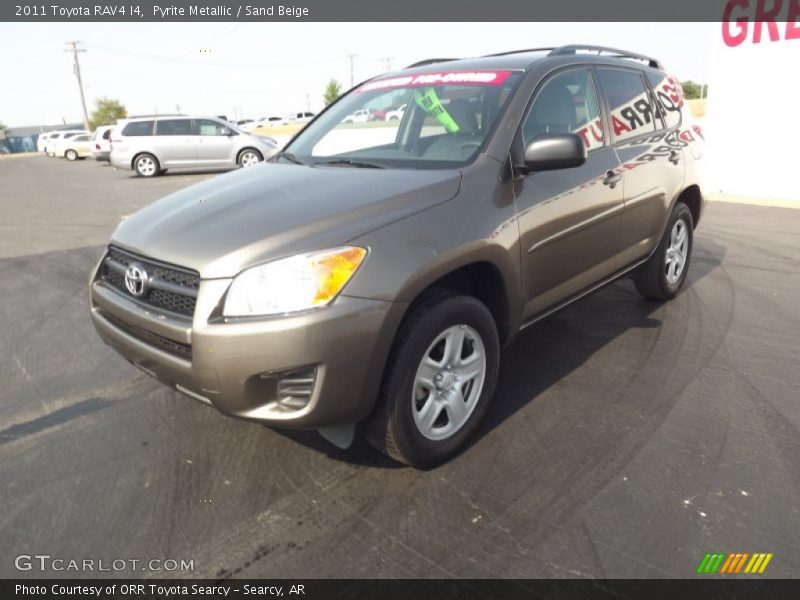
(369, 276)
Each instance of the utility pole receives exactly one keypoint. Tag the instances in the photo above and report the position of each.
(77, 71)
(351, 57)
(388, 61)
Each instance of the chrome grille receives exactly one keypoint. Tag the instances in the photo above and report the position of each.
(171, 288)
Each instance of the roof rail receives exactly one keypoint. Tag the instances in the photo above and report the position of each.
(429, 61)
(574, 48)
(523, 51)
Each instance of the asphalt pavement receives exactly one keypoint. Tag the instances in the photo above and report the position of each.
(627, 438)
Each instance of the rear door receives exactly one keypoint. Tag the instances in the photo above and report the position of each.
(175, 142)
(569, 219)
(214, 146)
(651, 157)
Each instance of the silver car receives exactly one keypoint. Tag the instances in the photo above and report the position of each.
(151, 145)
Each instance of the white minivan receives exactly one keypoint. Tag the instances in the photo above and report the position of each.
(151, 145)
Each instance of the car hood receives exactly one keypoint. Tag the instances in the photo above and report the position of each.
(233, 221)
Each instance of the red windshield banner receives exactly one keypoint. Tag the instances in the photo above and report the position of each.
(443, 78)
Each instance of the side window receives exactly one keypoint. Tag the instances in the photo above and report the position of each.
(629, 102)
(174, 127)
(566, 104)
(209, 127)
(107, 134)
(137, 128)
(668, 97)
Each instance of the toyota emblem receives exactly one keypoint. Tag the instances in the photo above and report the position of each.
(136, 280)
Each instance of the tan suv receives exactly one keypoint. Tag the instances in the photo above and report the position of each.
(367, 277)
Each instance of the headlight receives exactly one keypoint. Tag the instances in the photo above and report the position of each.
(292, 284)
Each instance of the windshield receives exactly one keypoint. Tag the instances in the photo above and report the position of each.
(433, 120)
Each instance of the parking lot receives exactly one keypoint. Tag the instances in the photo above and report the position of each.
(627, 439)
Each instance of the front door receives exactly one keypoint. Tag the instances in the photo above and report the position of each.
(215, 142)
(569, 219)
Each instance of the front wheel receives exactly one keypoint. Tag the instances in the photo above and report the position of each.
(438, 383)
(146, 165)
(662, 276)
(71, 155)
(249, 157)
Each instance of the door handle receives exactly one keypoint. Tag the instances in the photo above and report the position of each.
(674, 157)
(612, 179)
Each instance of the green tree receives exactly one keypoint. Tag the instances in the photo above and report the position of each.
(332, 91)
(691, 90)
(106, 112)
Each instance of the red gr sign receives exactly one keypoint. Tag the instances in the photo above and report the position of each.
(738, 15)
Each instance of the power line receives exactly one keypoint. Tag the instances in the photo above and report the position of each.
(77, 70)
(208, 63)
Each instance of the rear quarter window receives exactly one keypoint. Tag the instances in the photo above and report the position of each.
(138, 128)
(668, 96)
(629, 102)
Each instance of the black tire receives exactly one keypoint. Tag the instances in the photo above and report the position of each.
(146, 165)
(71, 155)
(651, 279)
(391, 428)
(245, 152)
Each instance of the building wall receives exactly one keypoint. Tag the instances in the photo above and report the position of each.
(753, 101)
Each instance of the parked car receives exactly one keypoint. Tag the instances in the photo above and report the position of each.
(52, 145)
(376, 285)
(262, 122)
(300, 117)
(396, 114)
(102, 142)
(242, 122)
(41, 141)
(377, 114)
(75, 147)
(150, 146)
(359, 116)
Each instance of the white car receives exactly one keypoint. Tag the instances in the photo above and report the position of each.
(76, 146)
(53, 146)
(262, 122)
(151, 145)
(41, 141)
(360, 116)
(300, 117)
(397, 114)
(102, 142)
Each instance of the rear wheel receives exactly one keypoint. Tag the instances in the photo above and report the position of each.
(71, 155)
(146, 165)
(249, 157)
(662, 276)
(439, 381)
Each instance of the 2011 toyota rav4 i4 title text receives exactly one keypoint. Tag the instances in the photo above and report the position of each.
(367, 276)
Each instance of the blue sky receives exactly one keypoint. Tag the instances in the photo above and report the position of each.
(258, 69)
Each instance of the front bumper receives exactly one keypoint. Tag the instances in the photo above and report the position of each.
(241, 367)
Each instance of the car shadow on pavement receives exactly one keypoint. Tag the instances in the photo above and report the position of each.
(549, 352)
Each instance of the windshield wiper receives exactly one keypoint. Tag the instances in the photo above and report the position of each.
(291, 157)
(350, 163)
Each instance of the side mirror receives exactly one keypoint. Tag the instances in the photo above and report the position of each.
(228, 132)
(551, 151)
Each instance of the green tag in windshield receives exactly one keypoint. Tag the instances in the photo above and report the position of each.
(428, 101)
